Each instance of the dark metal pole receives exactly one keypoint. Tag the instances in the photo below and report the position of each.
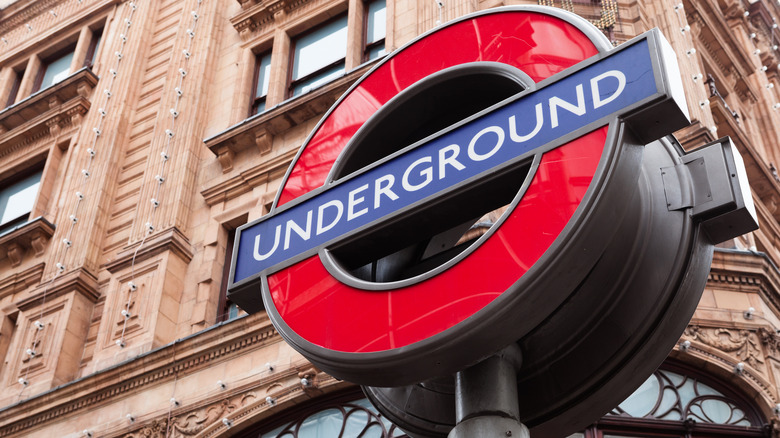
(486, 404)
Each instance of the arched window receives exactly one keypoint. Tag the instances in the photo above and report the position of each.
(675, 402)
(672, 403)
(345, 415)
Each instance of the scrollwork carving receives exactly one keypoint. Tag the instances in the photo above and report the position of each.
(157, 429)
(741, 343)
(770, 338)
(194, 422)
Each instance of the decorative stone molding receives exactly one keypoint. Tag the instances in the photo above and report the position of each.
(79, 279)
(226, 341)
(257, 15)
(770, 339)
(156, 429)
(746, 271)
(258, 131)
(32, 236)
(169, 240)
(22, 12)
(244, 404)
(192, 423)
(762, 182)
(244, 182)
(727, 362)
(285, 396)
(20, 281)
(743, 344)
(48, 111)
(718, 34)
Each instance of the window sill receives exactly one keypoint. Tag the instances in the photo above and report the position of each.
(32, 235)
(259, 129)
(48, 110)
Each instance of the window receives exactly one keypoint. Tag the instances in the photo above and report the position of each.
(92, 50)
(262, 76)
(342, 415)
(226, 309)
(318, 56)
(54, 70)
(375, 30)
(17, 81)
(17, 199)
(674, 403)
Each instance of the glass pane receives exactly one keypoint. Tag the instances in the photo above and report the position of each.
(98, 38)
(276, 433)
(263, 74)
(669, 407)
(232, 310)
(717, 411)
(57, 70)
(642, 401)
(357, 420)
(325, 424)
(320, 48)
(17, 199)
(376, 51)
(375, 28)
(320, 79)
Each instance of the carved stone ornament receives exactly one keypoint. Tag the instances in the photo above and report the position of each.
(194, 422)
(741, 343)
(157, 429)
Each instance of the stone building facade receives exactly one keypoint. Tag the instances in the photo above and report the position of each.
(136, 137)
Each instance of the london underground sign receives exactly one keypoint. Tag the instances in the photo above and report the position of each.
(371, 262)
(531, 123)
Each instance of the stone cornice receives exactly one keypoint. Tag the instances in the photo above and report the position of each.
(22, 11)
(256, 15)
(242, 405)
(746, 271)
(19, 281)
(245, 181)
(203, 350)
(30, 236)
(78, 279)
(718, 29)
(48, 111)
(168, 240)
(762, 182)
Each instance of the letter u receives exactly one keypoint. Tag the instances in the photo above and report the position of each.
(260, 257)
(521, 138)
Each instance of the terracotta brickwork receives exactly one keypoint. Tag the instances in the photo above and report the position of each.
(111, 314)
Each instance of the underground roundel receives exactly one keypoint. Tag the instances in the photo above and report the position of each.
(457, 194)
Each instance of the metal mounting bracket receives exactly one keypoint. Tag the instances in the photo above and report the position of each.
(712, 182)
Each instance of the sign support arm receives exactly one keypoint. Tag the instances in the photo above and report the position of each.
(486, 402)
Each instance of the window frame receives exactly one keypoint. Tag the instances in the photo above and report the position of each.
(37, 167)
(47, 61)
(15, 86)
(255, 100)
(90, 57)
(366, 46)
(651, 427)
(293, 83)
(226, 309)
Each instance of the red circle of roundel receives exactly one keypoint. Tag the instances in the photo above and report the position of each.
(332, 315)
